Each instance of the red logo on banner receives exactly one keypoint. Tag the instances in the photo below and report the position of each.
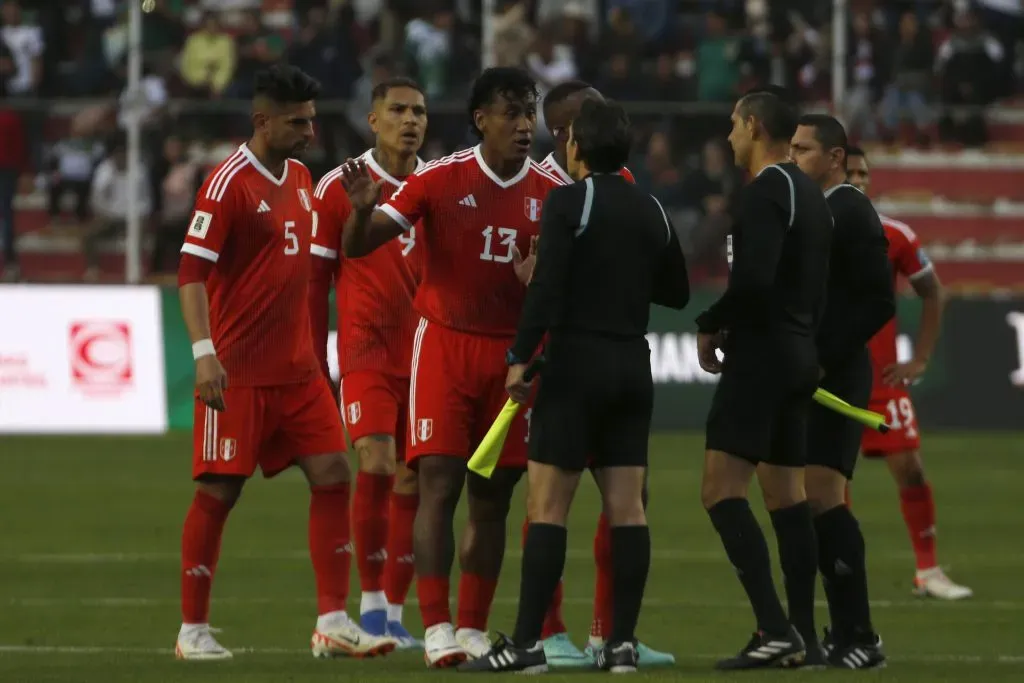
(101, 356)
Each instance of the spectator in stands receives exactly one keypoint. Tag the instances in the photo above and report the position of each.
(620, 80)
(910, 81)
(969, 65)
(257, 48)
(12, 163)
(550, 61)
(658, 174)
(70, 164)
(109, 198)
(428, 47)
(330, 59)
(865, 69)
(710, 192)
(25, 44)
(176, 179)
(717, 67)
(208, 59)
(665, 84)
(513, 35)
(8, 69)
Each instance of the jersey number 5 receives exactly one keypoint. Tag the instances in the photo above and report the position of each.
(506, 239)
(292, 240)
(407, 240)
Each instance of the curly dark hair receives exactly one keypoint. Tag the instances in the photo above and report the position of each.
(512, 82)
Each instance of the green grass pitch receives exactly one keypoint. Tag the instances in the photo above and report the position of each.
(89, 570)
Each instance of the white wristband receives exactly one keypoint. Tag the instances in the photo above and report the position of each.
(203, 347)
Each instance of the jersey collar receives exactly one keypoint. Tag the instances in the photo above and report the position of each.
(504, 184)
(554, 167)
(379, 170)
(244, 149)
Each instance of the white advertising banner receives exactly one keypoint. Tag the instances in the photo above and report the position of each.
(81, 360)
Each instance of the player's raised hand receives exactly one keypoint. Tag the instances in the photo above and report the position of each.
(524, 266)
(362, 190)
(211, 381)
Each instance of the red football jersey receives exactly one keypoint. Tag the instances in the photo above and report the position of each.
(554, 168)
(909, 260)
(253, 230)
(373, 294)
(471, 220)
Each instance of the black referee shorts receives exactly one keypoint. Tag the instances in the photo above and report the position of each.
(594, 403)
(760, 408)
(833, 441)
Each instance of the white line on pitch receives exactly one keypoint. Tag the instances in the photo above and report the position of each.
(654, 603)
(275, 651)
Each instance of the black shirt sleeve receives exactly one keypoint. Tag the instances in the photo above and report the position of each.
(546, 293)
(672, 283)
(764, 215)
(861, 240)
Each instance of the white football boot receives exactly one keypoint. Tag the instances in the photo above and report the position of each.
(336, 635)
(440, 648)
(196, 643)
(934, 583)
(474, 642)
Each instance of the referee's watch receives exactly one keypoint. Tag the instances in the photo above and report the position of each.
(511, 359)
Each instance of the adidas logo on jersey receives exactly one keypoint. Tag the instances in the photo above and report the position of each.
(264, 207)
(468, 200)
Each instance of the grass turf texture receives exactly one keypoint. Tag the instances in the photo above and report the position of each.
(89, 570)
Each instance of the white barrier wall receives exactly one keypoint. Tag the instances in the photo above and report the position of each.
(81, 360)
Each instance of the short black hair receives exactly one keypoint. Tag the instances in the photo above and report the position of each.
(381, 90)
(603, 136)
(773, 110)
(827, 130)
(510, 81)
(561, 92)
(855, 151)
(285, 84)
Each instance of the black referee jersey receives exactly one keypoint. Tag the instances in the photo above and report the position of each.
(860, 301)
(770, 313)
(607, 252)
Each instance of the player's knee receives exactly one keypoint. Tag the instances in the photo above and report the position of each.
(907, 469)
(406, 481)
(376, 454)
(491, 499)
(715, 488)
(624, 510)
(440, 483)
(326, 470)
(225, 489)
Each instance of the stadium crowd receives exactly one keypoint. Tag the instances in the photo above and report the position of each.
(908, 61)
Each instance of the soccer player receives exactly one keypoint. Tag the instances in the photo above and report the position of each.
(260, 397)
(480, 210)
(889, 395)
(375, 331)
(561, 107)
(860, 301)
(765, 323)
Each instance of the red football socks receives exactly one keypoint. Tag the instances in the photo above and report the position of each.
(329, 545)
(476, 593)
(200, 548)
(918, 508)
(601, 624)
(399, 569)
(370, 527)
(553, 621)
(433, 593)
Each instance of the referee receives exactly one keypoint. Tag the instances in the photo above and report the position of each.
(765, 325)
(860, 302)
(607, 251)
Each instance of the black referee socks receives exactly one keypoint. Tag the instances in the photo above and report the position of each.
(841, 559)
(543, 564)
(798, 555)
(748, 552)
(631, 562)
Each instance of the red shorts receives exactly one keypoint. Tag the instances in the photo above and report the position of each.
(375, 403)
(269, 426)
(903, 435)
(456, 390)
